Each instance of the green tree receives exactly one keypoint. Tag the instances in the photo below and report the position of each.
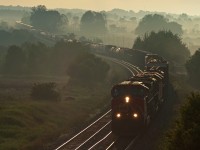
(37, 58)
(93, 23)
(87, 69)
(64, 53)
(157, 23)
(4, 37)
(193, 68)
(4, 25)
(47, 20)
(165, 44)
(15, 61)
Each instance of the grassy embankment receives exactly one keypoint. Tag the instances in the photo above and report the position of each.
(27, 124)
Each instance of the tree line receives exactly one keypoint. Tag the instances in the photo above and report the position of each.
(15, 37)
(64, 58)
(171, 47)
(165, 44)
(156, 23)
(41, 18)
(92, 22)
(47, 20)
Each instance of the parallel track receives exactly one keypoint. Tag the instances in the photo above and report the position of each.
(130, 67)
(98, 134)
(86, 133)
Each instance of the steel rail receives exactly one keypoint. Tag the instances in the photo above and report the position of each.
(93, 135)
(100, 140)
(130, 146)
(130, 68)
(124, 64)
(111, 145)
(58, 148)
(133, 74)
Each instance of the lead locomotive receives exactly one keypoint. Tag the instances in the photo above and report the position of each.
(136, 100)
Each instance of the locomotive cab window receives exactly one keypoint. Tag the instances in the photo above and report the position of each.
(133, 91)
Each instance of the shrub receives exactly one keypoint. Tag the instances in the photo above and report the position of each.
(87, 69)
(45, 91)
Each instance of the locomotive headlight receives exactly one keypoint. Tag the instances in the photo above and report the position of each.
(118, 115)
(127, 99)
(135, 115)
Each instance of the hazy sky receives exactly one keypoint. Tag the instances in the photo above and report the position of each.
(172, 6)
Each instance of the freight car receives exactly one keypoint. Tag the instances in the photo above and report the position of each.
(137, 100)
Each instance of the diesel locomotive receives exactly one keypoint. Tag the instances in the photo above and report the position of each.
(136, 101)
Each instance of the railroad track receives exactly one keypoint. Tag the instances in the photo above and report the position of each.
(98, 135)
(85, 136)
(111, 142)
(123, 143)
(130, 67)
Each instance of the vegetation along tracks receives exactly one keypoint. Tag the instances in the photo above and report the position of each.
(98, 135)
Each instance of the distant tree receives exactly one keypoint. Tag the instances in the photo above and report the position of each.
(87, 69)
(15, 37)
(75, 21)
(48, 20)
(21, 36)
(164, 43)
(64, 53)
(15, 61)
(5, 36)
(69, 15)
(157, 23)
(175, 28)
(93, 23)
(184, 18)
(37, 58)
(193, 68)
(4, 25)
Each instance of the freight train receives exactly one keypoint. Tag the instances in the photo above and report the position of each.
(136, 101)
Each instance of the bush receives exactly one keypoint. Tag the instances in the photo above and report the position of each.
(45, 91)
(87, 69)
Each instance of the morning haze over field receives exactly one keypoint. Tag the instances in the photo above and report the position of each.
(61, 62)
(170, 6)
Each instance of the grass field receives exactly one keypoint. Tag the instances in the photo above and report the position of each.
(28, 124)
